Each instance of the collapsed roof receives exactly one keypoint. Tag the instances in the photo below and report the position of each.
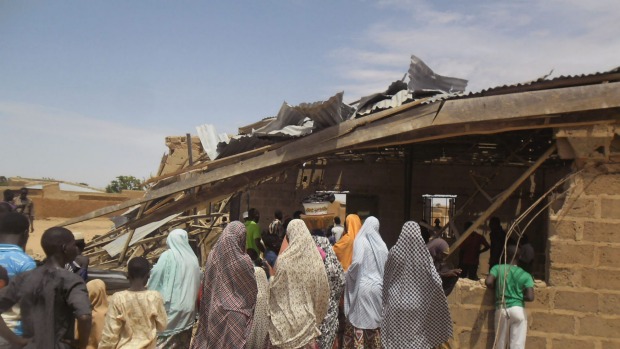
(430, 108)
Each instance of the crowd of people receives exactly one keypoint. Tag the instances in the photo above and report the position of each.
(285, 287)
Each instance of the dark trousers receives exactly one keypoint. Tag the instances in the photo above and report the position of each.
(469, 271)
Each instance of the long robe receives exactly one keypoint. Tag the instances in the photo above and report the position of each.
(335, 277)
(228, 295)
(298, 292)
(415, 309)
(177, 277)
(364, 279)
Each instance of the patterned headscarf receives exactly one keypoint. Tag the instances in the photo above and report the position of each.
(415, 309)
(260, 322)
(299, 291)
(364, 279)
(335, 277)
(229, 293)
(99, 302)
(177, 277)
(344, 247)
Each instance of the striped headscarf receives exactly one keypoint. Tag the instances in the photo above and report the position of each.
(344, 247)
(298, 292)
(415, 309)
(229, 293)
(364, 279)
(335, 277)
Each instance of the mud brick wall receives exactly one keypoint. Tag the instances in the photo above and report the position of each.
(579, 305)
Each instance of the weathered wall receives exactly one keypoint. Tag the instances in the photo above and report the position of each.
(580, 307)
(53, 202)
(383, 180)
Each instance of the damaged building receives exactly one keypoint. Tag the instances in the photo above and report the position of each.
(543, 156)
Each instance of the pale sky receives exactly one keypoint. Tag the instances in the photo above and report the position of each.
(90, 89)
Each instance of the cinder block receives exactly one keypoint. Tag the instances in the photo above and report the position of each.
(603, 184)
(476, 319)
(611, 344)
(579, 207)
(601, 232)
(572, 343)
(601, 279)
(586, 302)
(564, 253)
(565, 228)
(565, 277)
(610, 208)
(599, 326)
(476, 339)
(552, 323)
(609, 256)
(477, 296)
(535, 342)
(542, 298)
(609, 303)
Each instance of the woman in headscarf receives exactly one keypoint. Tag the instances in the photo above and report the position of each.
(335, 277)
(415, 310)
(260, 321)
(363, 288)
(228, 294)
(344, 247)
(177, 277)
(99, 302)
(298, 292)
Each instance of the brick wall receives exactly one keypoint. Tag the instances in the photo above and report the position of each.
(579, 307)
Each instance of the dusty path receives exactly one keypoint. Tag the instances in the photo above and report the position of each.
(89, 229)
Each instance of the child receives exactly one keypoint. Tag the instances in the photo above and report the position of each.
(50, 299)
(136, 315)
(513, 286)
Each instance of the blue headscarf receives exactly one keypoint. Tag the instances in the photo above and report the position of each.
(177, 277)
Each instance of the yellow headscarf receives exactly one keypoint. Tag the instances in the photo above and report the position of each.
(344, 247)
(99, 302)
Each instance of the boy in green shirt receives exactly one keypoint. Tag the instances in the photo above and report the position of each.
(513, 287)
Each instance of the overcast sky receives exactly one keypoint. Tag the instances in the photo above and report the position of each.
(89, 89)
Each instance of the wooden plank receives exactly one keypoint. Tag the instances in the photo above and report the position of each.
(502, 198)
(490, 112)
(130, 235)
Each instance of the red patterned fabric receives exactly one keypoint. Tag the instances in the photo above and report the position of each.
(229, 293)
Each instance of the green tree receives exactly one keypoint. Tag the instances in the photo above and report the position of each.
(124, 183)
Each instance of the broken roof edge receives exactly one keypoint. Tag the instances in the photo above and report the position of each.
(487, 111)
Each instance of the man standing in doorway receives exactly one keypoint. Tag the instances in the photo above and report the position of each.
(498, 239)
(470, 253)
(25, 206)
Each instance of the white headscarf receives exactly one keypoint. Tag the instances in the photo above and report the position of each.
(364, 278)
(415, 309)
(177, 277)
(298, 292)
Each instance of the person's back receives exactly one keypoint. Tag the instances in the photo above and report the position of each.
(338, 229)
(13, 235)
(513, 287)
(50, 298)
(135, 315)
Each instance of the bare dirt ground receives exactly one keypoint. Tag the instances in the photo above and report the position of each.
(89, 229)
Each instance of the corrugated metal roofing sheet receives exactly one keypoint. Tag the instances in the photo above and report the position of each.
(115, 247)
(421, 77)
(210, 139)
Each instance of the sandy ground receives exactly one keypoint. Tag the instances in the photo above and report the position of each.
(89, 229)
